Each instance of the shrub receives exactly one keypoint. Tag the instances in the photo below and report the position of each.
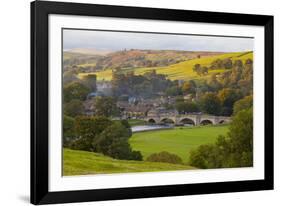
(136, 155)
(164, 157)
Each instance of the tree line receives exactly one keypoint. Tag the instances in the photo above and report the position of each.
(99, 134)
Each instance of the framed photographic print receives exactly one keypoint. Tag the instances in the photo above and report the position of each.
(131, 102)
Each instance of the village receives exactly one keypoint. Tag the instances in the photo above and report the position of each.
(151, 111)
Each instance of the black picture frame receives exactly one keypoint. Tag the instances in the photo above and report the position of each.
(39, 102)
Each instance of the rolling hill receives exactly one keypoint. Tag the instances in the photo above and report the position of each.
(182, 70)
(84, 163)
(91, 60)
(90, 51)
(74, 59)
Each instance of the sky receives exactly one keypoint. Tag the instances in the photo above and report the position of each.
(114, 41)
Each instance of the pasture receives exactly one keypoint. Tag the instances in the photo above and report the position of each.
(179, 141)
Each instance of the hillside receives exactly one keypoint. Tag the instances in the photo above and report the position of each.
(146, 58)
(182, 70)
(82, 163)
(90, 51)
(73, 59)
(92, 60)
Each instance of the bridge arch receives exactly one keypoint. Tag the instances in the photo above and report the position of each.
(222, 121)
(167, 120)
(206, 122)
(187, 120)
(151, 121)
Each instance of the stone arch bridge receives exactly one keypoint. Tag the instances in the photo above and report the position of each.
(194, 119)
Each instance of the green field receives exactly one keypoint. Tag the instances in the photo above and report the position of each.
(135, 122)
(82, 163)
(178, 141)
(182, 70)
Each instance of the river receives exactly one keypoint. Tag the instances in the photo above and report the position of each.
(141, 128)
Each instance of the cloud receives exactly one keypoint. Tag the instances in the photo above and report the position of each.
(111, 40)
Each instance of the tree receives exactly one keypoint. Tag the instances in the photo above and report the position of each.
(200, 70)
(217, 64)
(73, 108)
(246, 81)
(233, 150)
(113, 142)
(105, 106)
(204, 70)
(173, 91)
(210, 104)
(186, 107)
(196, 67)
(68, 130)
(245, 103)
(236, 73)
(75, 90)
(213, 83)
(224, 79)
(227, 97)
(241, 139)
(189, 87)
(238, 63)
(227, 63)
(205, 156)
(90, 81)
(86, 129)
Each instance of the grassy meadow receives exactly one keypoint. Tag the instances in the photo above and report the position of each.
(85, 163)
(182, 70)
(178, 141)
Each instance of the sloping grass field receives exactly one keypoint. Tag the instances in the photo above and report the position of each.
(182, 70)
(179, 141)
(84, 163)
